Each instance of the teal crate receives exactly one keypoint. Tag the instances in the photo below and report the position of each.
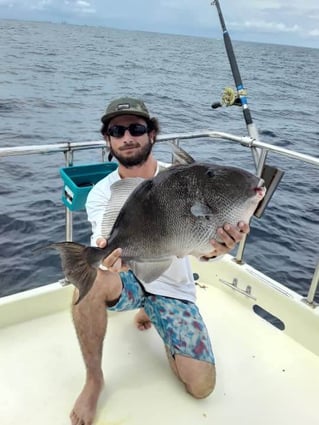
(79, 180)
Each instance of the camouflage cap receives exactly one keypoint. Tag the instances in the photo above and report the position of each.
(125, 106)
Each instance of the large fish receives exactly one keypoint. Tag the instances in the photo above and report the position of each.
(173, 214)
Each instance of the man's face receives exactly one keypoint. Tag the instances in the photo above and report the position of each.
(130, 150)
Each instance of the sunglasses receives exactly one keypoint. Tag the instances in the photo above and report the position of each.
(134, 129)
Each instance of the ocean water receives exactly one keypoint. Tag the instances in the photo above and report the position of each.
(56, 80)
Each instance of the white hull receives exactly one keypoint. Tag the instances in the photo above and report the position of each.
(264, 375)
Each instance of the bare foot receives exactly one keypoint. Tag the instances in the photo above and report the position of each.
(84, 410)
(142, 320)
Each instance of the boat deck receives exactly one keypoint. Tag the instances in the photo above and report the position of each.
(263, 376)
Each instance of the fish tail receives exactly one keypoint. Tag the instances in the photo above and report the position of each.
(79, 264)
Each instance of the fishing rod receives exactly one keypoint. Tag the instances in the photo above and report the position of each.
(271, 175)
(241, 99)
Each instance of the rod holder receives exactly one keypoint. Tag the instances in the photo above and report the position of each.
(310, 299)
(68, 214)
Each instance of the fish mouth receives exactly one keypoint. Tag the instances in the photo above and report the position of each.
(260, 189)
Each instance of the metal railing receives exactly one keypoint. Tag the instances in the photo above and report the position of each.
(243, 140)
(68, 148)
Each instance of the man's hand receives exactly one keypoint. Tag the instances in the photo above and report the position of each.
(112, 262)
(230, 235)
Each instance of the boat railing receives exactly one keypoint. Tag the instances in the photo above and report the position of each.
(68, 149)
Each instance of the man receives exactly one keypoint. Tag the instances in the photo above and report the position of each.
(130, 133)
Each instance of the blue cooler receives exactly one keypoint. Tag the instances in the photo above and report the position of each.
(79, 180)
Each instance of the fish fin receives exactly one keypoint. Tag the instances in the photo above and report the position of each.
(125, 186)
(79, 264)
(120, 191)
(148, 272)
(181, 156)
(199, 209)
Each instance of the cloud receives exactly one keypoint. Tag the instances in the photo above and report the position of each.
(314, 33)
(270, 26)
(61, 6)
(287, 21)
(282, 21)
(40, 5)
(83, 6)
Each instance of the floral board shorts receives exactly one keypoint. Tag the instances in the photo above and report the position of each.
(178, 322)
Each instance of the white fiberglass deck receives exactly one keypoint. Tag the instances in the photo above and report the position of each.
(263, 376)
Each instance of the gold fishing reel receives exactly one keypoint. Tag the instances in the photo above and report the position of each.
(230, 97)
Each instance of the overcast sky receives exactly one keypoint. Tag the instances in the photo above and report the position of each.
(282, 21)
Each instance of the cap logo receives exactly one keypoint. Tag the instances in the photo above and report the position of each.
(123, 106)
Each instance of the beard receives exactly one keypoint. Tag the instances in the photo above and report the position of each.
(138, 158)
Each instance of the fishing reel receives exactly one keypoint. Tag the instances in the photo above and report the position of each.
(230, 98)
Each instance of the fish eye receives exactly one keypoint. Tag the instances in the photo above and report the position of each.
(210, 173)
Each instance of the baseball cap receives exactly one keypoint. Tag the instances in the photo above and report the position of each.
(125, 106)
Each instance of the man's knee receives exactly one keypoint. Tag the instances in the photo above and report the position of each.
(201, 388)
(199, 377)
